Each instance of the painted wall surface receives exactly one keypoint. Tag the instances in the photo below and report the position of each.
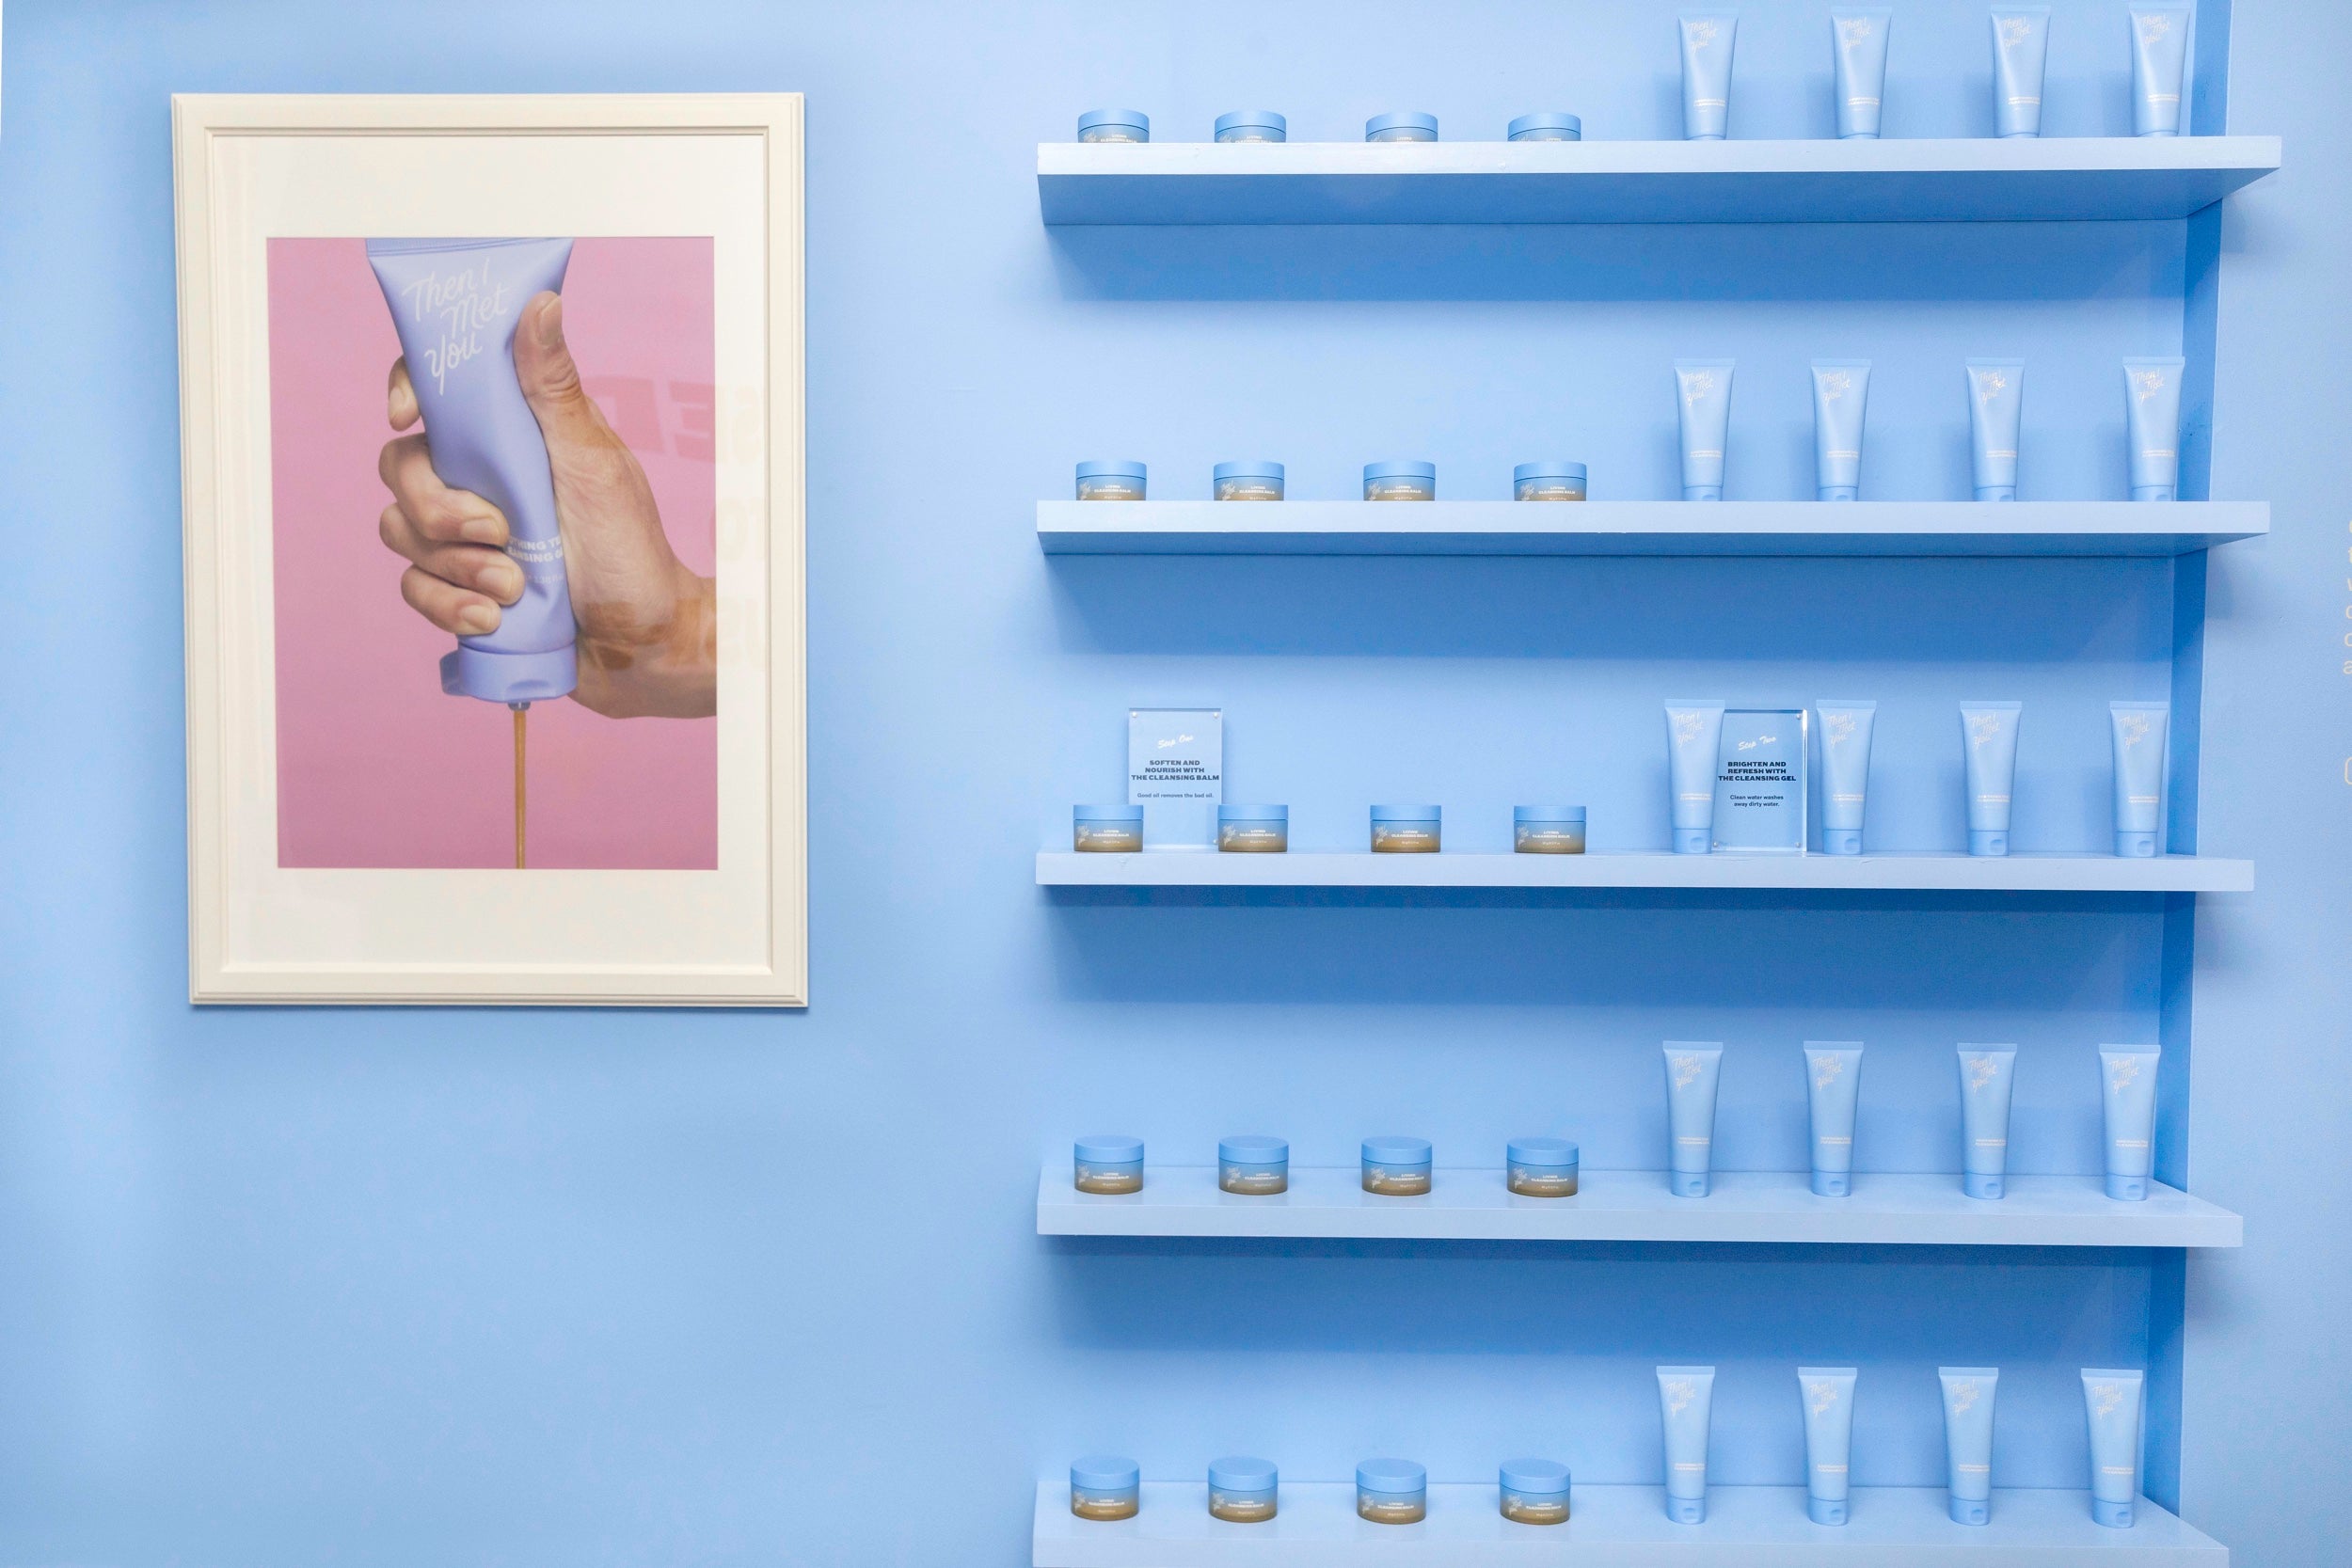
(531, 1288)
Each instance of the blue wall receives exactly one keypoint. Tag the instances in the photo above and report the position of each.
(541, 1288)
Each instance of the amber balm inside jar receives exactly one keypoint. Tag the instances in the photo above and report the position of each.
(1105, 1487)
(1107, 1165)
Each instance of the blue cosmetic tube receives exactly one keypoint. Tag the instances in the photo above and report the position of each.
(1702, 389)
(2112, 1403)
(1968, 1439)
(1996, 404)
(1695, 733)
(1691, 1068)
(1707, 41)
(2159, 60)
(2021, 45)
(1988, 743)
(1841, 395)
(2139, 730)
(1858, 39)
(1833, 1084)
(2152, 412)
(1684, 1395)
(1987, 1075)
(2127, 1099)
(1828, 1395)
(1845, 770)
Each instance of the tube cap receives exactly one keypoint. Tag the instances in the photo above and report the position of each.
(1997, 492)
(1545, 128)
(1407, 121)
(1973, 1185)
(1702, 492)
(1102, 1473)
(1821, 1510)
(2127, 1189)
(1690, 841)
(1841, 841)
(497, 677)
(2113, 1515)
(1837, 492)
(1687, 1185)
(1687, 1511)
(1988, 841)
(2135, 846)
(2155, 492)
(1832, 1183)
(1966, 1513)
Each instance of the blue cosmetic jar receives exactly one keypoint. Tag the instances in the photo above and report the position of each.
(1109, 1164)
(1253, 829)
(1554, 479)
(1405, 127)
(1534, 1491)
(1107, 829)
(1114, 125)
(1397, 1167)
(1400, 481)
(1105, 1487)
(1548, 830)
(1541, 1167)
(1242, 1490)
(1547, 128)
(1391, 1492)
(1247, 481)
(1252, 125)
(1254, 1165)
(1110, 482)
(1405, 830)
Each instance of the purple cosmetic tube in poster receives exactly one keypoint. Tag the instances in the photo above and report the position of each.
(455, 303)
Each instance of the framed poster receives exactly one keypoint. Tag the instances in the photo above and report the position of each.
(491, 450)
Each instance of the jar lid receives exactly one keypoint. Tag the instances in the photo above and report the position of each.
(1107, 813)
(1400, 470)
(1391, 1476)
(1110, 470)
(1549, 467)
(1538, 1477)
(1241, 1473)
(1254, 814)
(1544, 122)
(1378, 123)
(1396, 1151)
(1547, 814)
(1542, 1151)
(1265, 118)
(1259, 469)
(1104, 1472)
(1093, 118)
(1108, 1148)
(1405, 813)
(1253, 1149)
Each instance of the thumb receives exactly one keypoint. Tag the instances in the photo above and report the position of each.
(551, 381)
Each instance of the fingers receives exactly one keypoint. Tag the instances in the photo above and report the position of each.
(489, 572)
(551, 381)
(400, 397)
(460, 610)
(440, 514)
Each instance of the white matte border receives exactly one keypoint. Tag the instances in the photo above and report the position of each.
(727, 167)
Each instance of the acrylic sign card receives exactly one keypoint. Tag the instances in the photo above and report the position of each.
(1176, 773)
(1760, 782)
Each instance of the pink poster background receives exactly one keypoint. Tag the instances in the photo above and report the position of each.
(376, 767)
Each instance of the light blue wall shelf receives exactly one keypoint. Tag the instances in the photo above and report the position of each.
(1656, 869)
(1646, 527)
(1635, 1206)
(1615, 1527)
(1954, 180)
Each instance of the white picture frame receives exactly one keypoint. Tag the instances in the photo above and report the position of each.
(726, 167)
